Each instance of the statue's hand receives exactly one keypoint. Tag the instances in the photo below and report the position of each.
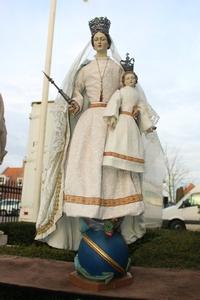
(74, 107)
(136, 112)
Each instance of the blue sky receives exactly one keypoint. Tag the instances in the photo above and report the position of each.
(163, 36)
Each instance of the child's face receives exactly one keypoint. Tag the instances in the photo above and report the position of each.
(130, 79)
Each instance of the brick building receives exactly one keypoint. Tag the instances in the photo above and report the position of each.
(14, 175)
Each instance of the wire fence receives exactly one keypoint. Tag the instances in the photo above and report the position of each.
(10, 201)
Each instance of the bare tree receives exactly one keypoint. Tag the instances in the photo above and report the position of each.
(176, 173)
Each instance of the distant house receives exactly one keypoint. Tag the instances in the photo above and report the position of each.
(14, 175)
(188, 188)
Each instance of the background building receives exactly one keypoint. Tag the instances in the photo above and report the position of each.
(29, 204)
(14, 175)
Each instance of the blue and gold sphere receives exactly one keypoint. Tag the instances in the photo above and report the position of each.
(99, 253)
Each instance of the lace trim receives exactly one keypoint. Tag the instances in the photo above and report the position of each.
(125, 157)
(102, 202)
(50, 222)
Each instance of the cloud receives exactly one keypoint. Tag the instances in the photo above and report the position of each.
(163, 36)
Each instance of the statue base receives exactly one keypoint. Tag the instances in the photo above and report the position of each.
(96, 286)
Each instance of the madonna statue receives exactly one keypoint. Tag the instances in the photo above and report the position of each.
(79, 192)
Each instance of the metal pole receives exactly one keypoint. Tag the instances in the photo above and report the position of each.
(43, 111)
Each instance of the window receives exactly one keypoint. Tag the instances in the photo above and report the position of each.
(19, 181)
(2, 179)
(195, 199)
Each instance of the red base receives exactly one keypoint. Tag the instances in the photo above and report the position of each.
(96, 286)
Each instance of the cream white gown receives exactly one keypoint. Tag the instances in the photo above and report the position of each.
(124, 146)
(90, 189)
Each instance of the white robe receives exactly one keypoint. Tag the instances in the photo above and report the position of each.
(124, 146)
(91, 190)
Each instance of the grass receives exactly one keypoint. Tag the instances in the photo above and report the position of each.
(159, 248)
(37, 250)
(167, 249)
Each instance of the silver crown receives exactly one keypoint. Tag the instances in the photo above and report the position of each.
(128, 63)
(99, 24)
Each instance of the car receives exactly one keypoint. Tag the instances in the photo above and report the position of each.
(185, 214)
(9, 207)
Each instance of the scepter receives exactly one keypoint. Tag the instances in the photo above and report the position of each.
(67, 98)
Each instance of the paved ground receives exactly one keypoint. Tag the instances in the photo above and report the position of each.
(148, 283)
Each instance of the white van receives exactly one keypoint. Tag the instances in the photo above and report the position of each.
(185, 214)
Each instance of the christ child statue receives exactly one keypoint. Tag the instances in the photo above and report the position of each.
(127, 117)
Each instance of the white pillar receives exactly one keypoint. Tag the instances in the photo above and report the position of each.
(43, 113)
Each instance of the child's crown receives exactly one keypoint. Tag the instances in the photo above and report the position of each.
(128, 63)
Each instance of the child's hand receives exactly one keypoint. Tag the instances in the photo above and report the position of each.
(151, 129)
(112, 121)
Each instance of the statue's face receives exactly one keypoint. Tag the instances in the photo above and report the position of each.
(129, 79)
(100, 41)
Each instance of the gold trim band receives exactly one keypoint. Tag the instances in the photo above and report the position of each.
(128, 113)
(103, 254)
(99, 104)
(102, 202)
(43, 228)
(125, 157)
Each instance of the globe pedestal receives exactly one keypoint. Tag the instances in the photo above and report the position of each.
(102, 261)
(96, 286)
